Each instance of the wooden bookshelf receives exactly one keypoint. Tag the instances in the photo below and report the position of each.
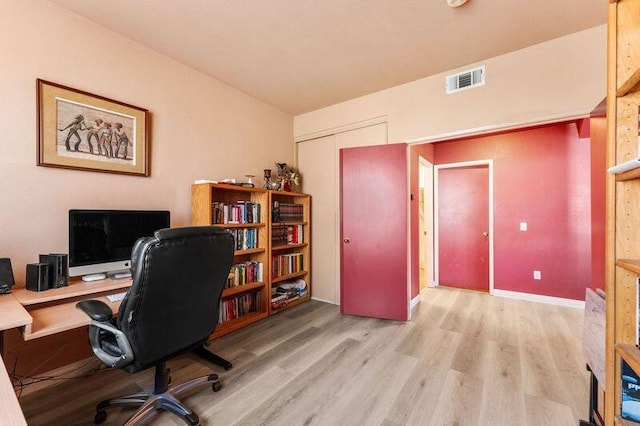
(631, 265)
(623, 200)
(302, 247)
(203, 197)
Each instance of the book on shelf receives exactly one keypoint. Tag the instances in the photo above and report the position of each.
(637, 312)
(245, 273)
(630, 394)
(288, 291)
(245, 238)
(285, 264)
(238, 213)
(287, 212)
(235, 307)
(287, 234)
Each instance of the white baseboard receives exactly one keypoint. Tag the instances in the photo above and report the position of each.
(549, 300)
(325, 301)
(414, 302)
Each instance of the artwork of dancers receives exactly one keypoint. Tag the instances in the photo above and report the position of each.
(74, 127)
(122, 141)
(106, 135)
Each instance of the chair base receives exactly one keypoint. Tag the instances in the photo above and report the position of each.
(206, 354)
(164, 398)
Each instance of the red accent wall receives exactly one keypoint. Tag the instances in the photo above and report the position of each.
(425, 151)
(542, 177)
(598, 132)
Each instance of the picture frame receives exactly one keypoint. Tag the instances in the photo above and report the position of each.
(82, 131)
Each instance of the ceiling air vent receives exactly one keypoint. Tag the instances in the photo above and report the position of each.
(465, 80)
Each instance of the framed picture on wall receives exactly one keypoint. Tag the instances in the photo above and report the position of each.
(82, 131)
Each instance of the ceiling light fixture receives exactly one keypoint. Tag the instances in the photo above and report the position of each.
(456, 3)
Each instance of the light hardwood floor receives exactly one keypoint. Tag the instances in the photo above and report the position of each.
(465, 359)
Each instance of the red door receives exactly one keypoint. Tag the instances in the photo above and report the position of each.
(373, 230)
(463, 227)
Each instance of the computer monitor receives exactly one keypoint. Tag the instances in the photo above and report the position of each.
(100, 241)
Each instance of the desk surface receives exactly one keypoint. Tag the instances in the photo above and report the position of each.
(62, 315)
(12, 313)
(74, 289)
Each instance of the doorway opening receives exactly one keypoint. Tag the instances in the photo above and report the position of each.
(425, 224)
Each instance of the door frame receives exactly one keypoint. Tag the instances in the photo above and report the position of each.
(429, 242)
(436, 259)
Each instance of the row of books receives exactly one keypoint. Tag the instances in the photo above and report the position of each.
(237, 306)
(245, 238)
(240, 212)
(285, 264)
(287, 212)
(287, 234)
(287, 292)
(245, 273)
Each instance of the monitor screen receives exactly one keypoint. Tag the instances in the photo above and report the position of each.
(101, 240)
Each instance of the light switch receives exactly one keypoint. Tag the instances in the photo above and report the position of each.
(523, 226)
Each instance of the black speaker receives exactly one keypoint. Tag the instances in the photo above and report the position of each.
(37, 276)
(6, 275)
(57, 269)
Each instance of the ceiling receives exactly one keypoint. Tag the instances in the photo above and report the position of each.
(301, 55)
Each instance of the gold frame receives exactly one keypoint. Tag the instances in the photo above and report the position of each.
(58, 103)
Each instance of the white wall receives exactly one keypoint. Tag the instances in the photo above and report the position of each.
(561, 78)
(200, 128)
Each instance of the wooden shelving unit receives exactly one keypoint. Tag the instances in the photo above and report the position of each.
(203, 196)
(304, 247)
(623, 200)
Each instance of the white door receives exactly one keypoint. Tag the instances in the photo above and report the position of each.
(317, 160)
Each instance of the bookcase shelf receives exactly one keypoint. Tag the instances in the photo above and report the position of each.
(294, 209)
(242, 225)
(630, 175)
(623, 201)
(292, 303)
(250, 251)
(237, 324)
(288, 246)
(631, 265)
(288, 277)
(228, 292)
(203, 197)
(630, 353)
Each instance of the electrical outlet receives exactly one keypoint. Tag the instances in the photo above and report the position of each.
(523, 226)
(537, 275)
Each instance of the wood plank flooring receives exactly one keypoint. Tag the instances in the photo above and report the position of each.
(466, 358)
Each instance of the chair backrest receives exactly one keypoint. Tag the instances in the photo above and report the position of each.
(178, 278)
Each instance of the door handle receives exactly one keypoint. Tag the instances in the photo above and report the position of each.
(346, 240)
(485, 234)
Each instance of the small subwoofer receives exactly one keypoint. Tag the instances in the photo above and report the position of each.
(6, 275)
(37, 276)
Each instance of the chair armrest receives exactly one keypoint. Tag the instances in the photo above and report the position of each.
(96, 310)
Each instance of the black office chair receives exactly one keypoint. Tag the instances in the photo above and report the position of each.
(172, 307)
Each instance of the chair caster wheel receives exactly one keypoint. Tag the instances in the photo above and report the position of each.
(216, 386)
(101, 416)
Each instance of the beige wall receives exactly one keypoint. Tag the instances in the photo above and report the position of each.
(557, 79)
(201, 129)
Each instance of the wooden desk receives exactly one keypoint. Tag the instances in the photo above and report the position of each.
(12, 315)
(54, 311)
(43, 314)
